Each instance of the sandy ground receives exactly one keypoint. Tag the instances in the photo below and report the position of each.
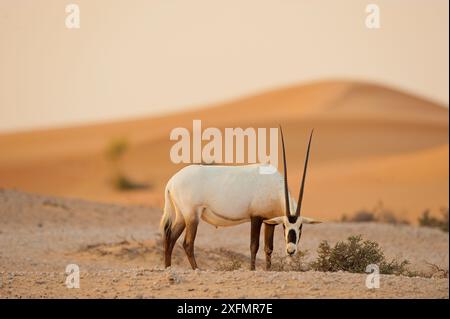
(119, 253)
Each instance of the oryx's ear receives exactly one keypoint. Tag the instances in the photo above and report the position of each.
(307, 220)
(274, 221)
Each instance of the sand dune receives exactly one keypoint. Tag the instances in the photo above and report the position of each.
(372, 144)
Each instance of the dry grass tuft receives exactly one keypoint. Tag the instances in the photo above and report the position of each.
(295, 263)
(437, 272)
(230, 265)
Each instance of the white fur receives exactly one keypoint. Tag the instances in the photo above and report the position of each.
(229, 195)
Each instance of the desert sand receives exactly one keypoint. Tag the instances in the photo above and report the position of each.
(119, 253)
(372, 144)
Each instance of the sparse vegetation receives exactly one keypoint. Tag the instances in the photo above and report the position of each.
(116, 149)
(295, 263)
(114, 153)
(232, 264)
(123, 183)
(426, 220)
(360, 216)
(378, 214)
(437, 271)
(354, 255)
(229, 260)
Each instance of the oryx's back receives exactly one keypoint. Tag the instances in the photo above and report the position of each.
(232, 192)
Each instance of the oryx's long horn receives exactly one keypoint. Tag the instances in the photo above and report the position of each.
(286, 191)
(302, 185)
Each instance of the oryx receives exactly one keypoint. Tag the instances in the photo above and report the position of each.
(231, 195)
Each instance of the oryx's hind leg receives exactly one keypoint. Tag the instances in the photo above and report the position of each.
(254, 239)
(170, 241)
(189, 239)
(268, 244)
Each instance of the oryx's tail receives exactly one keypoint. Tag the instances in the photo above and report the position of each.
(166, 220)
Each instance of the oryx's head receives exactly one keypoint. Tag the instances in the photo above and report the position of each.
(293, 222)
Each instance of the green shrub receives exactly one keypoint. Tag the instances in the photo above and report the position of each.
(354, 256)
(123, 183)
(114, 153)
(378, 214)
(116, 149)
(361, 216)
(429, 221)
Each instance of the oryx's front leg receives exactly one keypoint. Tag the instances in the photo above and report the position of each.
(189, 239)
(268, 244)
(254, 239)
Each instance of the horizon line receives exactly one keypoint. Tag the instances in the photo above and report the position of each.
(221, 102)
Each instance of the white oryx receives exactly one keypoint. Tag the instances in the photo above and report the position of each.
(231, 195)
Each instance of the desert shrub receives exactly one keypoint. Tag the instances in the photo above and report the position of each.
(353, 256)
(389, 217)
(116, 149)
(123, 183)
(430, 221)
(362, 216)
(378, 214)
(114, 153)
(437, 271)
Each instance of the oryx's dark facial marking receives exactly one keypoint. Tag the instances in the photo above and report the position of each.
(292, 219)
(292, 236)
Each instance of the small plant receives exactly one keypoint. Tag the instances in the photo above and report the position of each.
(114, 153)
(116, 149)
(378, 214)
(354, 255)
(228, 260)
(233, 264)
(295, 263)
(361, 216)
(437, 271)
(123, 183)
(429, 221)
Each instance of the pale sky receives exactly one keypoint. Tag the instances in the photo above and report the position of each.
(134, 58)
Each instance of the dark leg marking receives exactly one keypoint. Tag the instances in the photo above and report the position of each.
(170, 241)
(268, 244)
(254, 239)
(189, 239)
